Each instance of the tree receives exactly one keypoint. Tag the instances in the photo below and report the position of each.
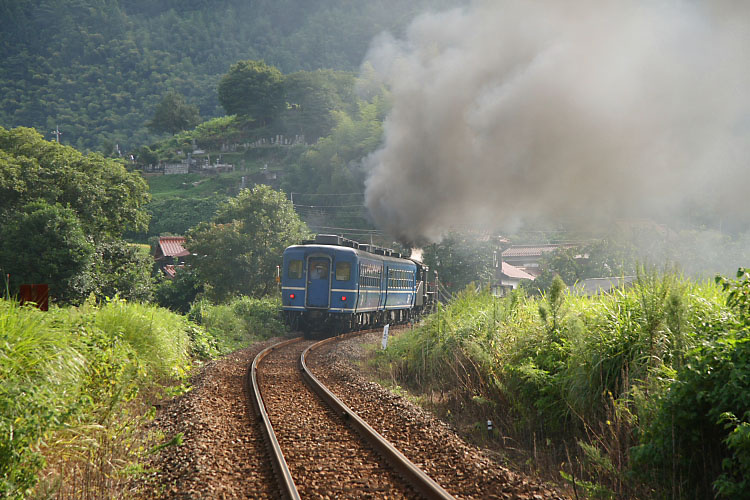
(252, 89)
(237, 253)
(122, 269)
(106, 198)
(565, 263)
(173, 115)
(311, 99)
(62, 215)
(45, 243)
(460, 260)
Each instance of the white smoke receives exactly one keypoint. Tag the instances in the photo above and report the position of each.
(580, 111)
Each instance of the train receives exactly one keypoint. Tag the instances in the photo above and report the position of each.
(334, 284)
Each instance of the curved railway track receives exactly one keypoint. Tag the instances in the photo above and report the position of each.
(315, 454)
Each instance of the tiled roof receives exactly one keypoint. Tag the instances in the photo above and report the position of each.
(515, 272)
(172, 246)
(169, 270)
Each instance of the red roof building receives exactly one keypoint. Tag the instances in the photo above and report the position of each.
(169, 254)
(170, 246)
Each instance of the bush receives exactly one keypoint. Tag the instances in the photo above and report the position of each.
(699, 439)
(178, 293)
(237, 323)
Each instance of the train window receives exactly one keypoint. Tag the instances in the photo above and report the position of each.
(295, 270)
(319, 269)
(369, 275)
(343, 271)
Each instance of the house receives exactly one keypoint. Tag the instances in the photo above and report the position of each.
(528, 257)
(508, 277)
(170, 253)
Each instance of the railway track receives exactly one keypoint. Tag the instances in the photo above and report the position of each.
(315, 449)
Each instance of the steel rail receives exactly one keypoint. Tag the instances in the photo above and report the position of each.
(423, 483)
(284, 476)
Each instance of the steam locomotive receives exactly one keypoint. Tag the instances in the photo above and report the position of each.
(335, 284)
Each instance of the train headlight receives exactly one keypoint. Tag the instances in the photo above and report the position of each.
(291, 296)
(343, 298)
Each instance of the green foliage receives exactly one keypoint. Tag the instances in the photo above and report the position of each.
(122, 270)
(238, 252)
(72, 382)
(46, 244)
(712, 383)
(738, 293)
(605, 258)
(735, 481)
(551, 308)
(332, 164)
(36, 361)
(106, 198)
(235, 324)
(175, 215)
(158, 336)
(173, 114)
(312, 97)
(62, 214)
(600, 374)
(98, 69)
(699, 412)
(179, 293)
(253, 89)
(460, 260)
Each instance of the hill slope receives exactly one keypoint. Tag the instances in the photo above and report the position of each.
(97, 68)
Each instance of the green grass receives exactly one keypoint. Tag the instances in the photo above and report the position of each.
(585, 376)
(194, 185)
(77, 386)
(238, 323)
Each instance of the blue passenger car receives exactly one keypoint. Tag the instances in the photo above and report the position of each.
(336, 284)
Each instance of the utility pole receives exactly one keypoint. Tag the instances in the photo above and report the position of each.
(57, 134)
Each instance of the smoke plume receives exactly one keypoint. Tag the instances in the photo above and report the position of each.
(566, 111)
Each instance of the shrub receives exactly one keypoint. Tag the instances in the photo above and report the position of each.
(697, 445)
(687, 445)
(237, 323)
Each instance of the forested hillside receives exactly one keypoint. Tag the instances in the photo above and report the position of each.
(98, 69)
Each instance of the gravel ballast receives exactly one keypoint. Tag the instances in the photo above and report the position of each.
(223, 454)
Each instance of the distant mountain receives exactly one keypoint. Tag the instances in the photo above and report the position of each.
(97, 68)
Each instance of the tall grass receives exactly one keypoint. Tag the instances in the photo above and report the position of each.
(581, 377)
(159, 337)
(236, 324)
(77, 386)
(37, 366)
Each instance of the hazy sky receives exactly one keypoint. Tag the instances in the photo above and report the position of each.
(580, 111)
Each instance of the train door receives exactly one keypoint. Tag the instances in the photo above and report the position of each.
(385, 287)
(318, 282)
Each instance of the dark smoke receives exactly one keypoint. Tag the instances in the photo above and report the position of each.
(576, 111)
